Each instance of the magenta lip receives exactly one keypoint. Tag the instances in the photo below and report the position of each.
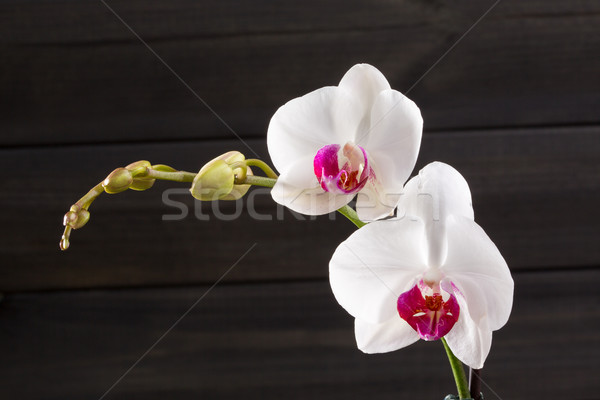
(430, 316)
(345, 179)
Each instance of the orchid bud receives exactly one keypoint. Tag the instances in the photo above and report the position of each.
(76, 218)
(163, 167)
(118, 181)
(235, 157)
(64, 242)
(216, 180)
(140, 168)
(213, 182)
(141, 184)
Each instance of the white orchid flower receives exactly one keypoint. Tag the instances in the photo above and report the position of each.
(432, 273)
(330, 144)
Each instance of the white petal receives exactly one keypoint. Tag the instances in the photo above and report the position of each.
(436, 192)
(387, 336)
(364, 82)
(477, 268)
(303, 125)
(377, 263)
(311, 201)
(300, 173)
(374, 203)
(469, 341)
(394, 138)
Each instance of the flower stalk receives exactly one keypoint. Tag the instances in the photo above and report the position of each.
(253, 162)
(458, 371)
(175, 176)
(257, 181)
(349, 213)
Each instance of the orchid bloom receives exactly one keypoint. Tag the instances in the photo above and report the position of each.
(432, 273)
(360, 137)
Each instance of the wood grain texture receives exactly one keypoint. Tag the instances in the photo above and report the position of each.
(282, 340)
(513, 105)
(535, 192)
(73, 73)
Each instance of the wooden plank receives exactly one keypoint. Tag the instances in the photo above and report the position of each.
(535, 192)
(273, 341)
(72, 73)
(69, 21)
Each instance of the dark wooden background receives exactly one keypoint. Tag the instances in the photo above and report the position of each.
(513, 104)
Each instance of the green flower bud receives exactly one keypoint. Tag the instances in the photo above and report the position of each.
(238, 191)
(140, 168)
(213, 182)
(64, 242)
(163, 167)
(141, 184)
(76, 218)
(118, 181)
(216, 179)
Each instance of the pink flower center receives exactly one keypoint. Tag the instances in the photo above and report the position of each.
(342, 170)
(426, 311)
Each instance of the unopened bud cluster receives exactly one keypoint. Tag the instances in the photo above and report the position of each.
(227, 177)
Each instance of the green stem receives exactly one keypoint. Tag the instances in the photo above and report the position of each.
(178, 176)
(459, 373)
(349, 213)
(90, 196)
(258, 181)
(253, 162)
